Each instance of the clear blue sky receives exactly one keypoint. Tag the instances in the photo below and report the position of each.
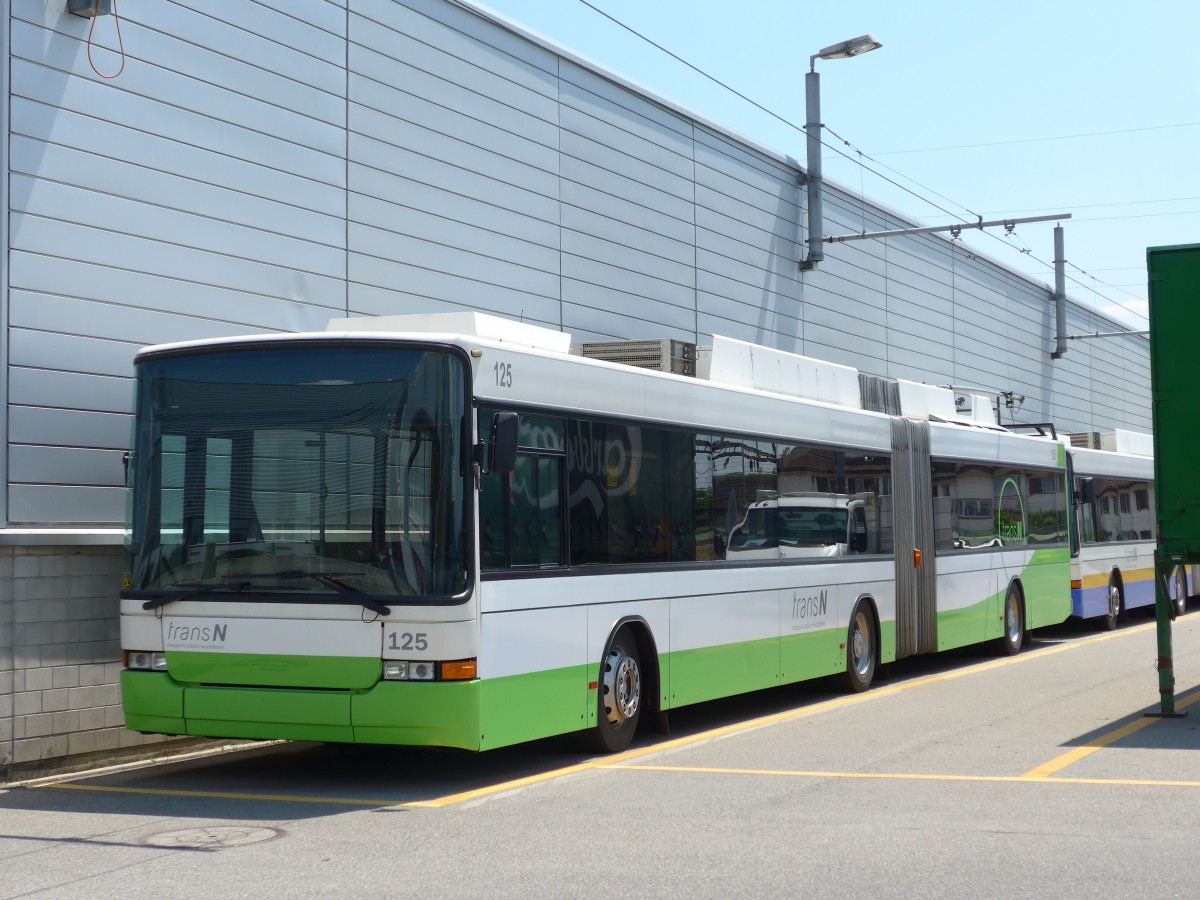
(1019, 108)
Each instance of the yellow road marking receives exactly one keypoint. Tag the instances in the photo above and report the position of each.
(616, 761)
(882, 776)
(219, 795)
(1099, 743)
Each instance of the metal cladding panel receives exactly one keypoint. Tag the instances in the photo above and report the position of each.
(616, 212)
(66, 505)
(48, 388)
(603, 99)
(379, 145)
(83, 354)
(678, 248)
(201, 193)
(467, 34)
(276, 167)
(65, 465)
(437, 58)
(113, 322)
(485, 235)
(482, 129)
(44, 124)
(596, 308)
(68, 428)
(120, 294)
(772, 304)
(730, 246)
(1174, 318)
(648, 259)
(594, 134)
(381, 286)
(648, 288)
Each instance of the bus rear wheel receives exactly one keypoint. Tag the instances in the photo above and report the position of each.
(620, 695)
(1115, 606)
(1014, 623)
(861, 651)
(1179, 601)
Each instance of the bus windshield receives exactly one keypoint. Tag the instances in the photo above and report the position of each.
(324, 471)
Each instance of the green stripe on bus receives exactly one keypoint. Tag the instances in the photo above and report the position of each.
(274, 670)
(1046, 603)
(520, 708)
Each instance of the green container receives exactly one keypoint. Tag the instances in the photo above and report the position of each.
(1174, 274)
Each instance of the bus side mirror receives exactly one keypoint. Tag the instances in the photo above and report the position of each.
(858, 542)
(502, 445)
(1087, 490)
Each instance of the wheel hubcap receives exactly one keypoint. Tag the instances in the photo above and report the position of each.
(1114, 602)
(860, 647)
(622, 687)
(1010, 620)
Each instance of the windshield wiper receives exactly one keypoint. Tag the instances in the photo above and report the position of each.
(330, 579)
(211, 588)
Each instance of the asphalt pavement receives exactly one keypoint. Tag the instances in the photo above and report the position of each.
(965, 774)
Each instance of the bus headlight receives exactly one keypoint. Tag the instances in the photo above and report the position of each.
(409, 670)
(423, 670)
(145, 660)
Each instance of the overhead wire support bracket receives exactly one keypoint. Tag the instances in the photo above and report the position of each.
(1104, 334)
(956, 228)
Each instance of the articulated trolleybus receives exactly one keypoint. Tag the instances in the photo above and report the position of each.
(449, 530)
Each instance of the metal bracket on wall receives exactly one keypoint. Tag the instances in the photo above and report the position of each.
(89, 8)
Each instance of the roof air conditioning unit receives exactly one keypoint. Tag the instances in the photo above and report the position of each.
(1089, 440)
(666, 355)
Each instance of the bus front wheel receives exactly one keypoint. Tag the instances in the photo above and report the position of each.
(620, 695)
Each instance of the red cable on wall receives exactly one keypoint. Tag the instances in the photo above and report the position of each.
(120, 42)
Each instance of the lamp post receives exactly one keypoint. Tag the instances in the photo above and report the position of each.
(812, 127)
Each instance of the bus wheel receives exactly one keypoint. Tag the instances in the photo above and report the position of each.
(1014, 623)
(1115, 604)
(860, 649)
(1181, 592)
(620, 695)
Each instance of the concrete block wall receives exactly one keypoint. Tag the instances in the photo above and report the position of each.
(60, 655)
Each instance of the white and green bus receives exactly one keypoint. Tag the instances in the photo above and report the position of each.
(1112, 475)
(449, 530)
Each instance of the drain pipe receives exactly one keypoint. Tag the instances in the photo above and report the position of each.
(1060, 295)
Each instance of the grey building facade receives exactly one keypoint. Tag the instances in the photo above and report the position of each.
(261, 167)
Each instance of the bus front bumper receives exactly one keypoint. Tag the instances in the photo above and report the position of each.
(421, 714)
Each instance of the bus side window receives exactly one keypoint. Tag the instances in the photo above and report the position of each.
(858, 530)
(493, 526)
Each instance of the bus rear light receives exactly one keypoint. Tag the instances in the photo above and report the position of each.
(459, 670)
(144, 660)
(1076, 584)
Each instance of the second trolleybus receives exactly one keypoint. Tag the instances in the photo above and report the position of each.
(1112, 484)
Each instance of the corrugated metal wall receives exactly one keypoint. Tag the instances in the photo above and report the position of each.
(263, 167)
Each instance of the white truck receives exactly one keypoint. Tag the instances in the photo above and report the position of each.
(805, 525)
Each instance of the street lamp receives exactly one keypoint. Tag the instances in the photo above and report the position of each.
(812, 107)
